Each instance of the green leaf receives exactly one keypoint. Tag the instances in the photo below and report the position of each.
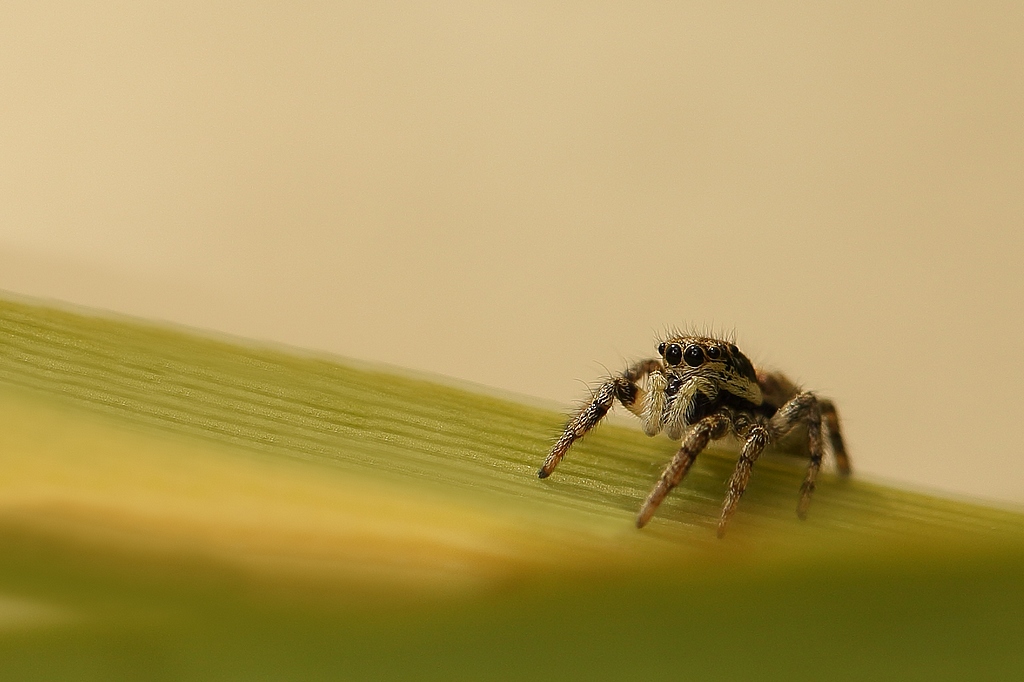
(174, 506)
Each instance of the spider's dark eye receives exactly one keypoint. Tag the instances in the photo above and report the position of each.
(661, 348)
(673, 354)
(714, 352)
(694, 355)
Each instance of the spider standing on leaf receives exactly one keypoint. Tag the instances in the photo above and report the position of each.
(703, 389)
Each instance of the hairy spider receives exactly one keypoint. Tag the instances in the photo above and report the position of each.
(700, 390)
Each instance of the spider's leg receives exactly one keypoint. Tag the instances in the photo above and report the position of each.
(623, 387)
(776, 387)
(803, 407)
(757, 439)
(638, 370)
(830, 424)
(710, 428)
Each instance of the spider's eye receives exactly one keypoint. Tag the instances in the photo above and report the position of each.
(714, 352)
(694, 355)
(673, 354)
(661, 348)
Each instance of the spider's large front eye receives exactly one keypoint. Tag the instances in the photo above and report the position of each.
(673, 354)
(694, 355)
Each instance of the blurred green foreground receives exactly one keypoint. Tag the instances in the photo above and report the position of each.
(174, 507)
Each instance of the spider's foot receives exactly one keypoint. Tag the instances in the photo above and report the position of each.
(652, 503)
(805, 500)
(543, 474)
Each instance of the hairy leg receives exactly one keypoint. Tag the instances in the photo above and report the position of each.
(830, 425)
(623, 387)
(757, 438)
(710, 428)
(638, 370)
(804, 407)
(776, 388)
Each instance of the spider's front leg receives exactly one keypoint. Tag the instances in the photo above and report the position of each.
(624, 388)
(710, 428)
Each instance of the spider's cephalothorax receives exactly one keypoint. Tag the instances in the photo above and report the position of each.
(702, 389)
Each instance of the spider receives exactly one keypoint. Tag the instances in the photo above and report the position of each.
(703, 389)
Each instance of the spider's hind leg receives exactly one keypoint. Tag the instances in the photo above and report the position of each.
(803, 407)
(777, 389)
(830, 424)
(623, 388)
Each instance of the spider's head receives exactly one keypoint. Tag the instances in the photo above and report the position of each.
(706, 360)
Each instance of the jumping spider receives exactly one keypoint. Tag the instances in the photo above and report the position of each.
(703, 389)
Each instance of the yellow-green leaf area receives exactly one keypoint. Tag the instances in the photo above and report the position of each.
(174, 506)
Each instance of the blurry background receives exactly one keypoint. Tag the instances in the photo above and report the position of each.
(525, 195)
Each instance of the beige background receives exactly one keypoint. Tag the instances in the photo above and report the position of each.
(523, 195)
